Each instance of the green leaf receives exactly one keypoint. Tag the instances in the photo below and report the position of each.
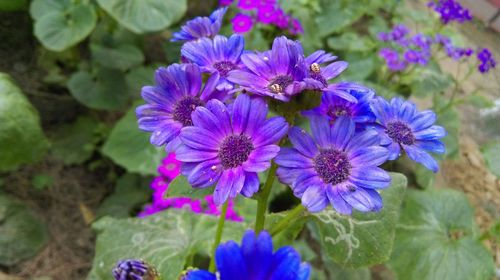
(164, 240)
(425, 177)
(479, 101)
(60, 24)
(106, 90)
(428, 81)
(337, 15)
(360, 67)
(180, 187)
(364, 238)
(21, 137)
(450, 120)
(121, 57)
(437, 239)
(290, 233)
(143, 16)
(129, 147)
(22, 234)
(130, 192)
(352, 42)
(13, 5)
(491, 154)
(336, 271)
(74, 143)
(139, 77)
(42, 181)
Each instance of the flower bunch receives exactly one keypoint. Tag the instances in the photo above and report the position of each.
(267, 12)
(486, 60)
(450, 10)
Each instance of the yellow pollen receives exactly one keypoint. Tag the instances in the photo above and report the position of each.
(315, 67)
(276, 88)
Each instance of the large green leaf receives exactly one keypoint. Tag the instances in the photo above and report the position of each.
(21, 137)
(352, 42)
(427, 81)
(106, 90)
(437, 239)
(491, 153)
(364, 238)
(143, 16)
(129, 147)
(450, 120)
(121, 57)
(337, 15)
(164, 240)
(60, 24)
(13, 5)
(22, 235)
(180, 187)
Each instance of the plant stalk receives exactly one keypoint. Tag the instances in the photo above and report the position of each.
(291, 215)
(262, 201)
(218, 235)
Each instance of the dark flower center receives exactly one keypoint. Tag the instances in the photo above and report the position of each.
(400, 132)
(339, 110)
(318, 77)
(333, 166)
(224, 67)
(184, 108)
(235, 150)
(279, 83)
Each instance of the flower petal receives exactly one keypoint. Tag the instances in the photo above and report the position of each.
(290, 157)
(199, 138)
(302, 141)
(251, 184)
(230, 261)
(314, 198)
(205, 174)
(364, 200)
(369, 156)
(187, 154)
(271, 131)
(422, 157)
(336, 200)
(370, 177)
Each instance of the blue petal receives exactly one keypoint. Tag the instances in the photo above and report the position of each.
(434, 146)
(431, 133)
(199, 275)
(370, 177)
(369, 156)
(290, 157)
(271, 131)
(422, 157)
(286, 264)
(230, 262)
(342, 131)
(258, 253)
(423, 120)
(302, 141)
(314, 198)
(364, 200)
(336, 200)
(320, 128)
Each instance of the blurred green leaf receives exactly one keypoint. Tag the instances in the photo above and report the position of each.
(437, 239)
(360, 66)
(351, 42)
(425, 177)
(22, 234)
(450, 120)
(426, 81)
(491, 154)
(144, 16)
(139, 77)
(479, 101)
(106, 90)
(364, 238)
(60, 24)
(121, 57)
(337, 15)
(180, 187)
(21, 137)
(164, 240)
(129, 147)
(13, 5)
(42, 181)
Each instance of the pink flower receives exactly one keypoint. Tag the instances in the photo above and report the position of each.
(281, 19)
(170, 167)
(247, 4)
(262, 3)
(242, 23)
(266, 14)
(296, 27)
(225, 2)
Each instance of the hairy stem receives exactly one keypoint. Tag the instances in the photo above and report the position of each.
(218, 235)
(264, 196)
(291, 215)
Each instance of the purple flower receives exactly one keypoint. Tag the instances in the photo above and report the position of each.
(333, 107)
(242, 23)
(134, 269)
(450, 10)
(266, 14)
(329, 72)
(336, 166)
(171, 101)
(200, 27)
(225, 2)
(402, 126)
(399, 32)
(281, 20)
(296, 27)
(217, 56)
(279, 73)
(392, 59)
(254, 260)
(486, 60)
(228, 147)
(422, 41)
(456, 53)
(247, 4)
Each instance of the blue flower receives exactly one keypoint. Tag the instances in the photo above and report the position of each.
(336, 166)
(217, 57)
(229, 146)
(254, 260)
(402, 126)
(200, 27)
(134, 269)
(171, 101)
(279, 73)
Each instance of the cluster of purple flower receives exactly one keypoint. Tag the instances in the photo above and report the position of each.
(266, 12)
(456, 53)
(169, 169)
(450, 10)
(486, 60)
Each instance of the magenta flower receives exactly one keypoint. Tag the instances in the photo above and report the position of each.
(242, 23)
(247, 4)
(266, 14)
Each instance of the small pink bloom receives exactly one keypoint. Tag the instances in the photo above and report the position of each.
(225, 2)
(296, 27)
(281, 19)
(247, 4)
(170, 167)
(266, 14)
(242, 23)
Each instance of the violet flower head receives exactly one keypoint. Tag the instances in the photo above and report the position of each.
(335, 166)
(171, 101)
(225, 2)
(242, 23)
(450, 10)
(134, 269)
(324, 74)
(279, 73)
(217, 56)
(455, 53)
(392, 59)
(296, 27)
(229, 146)
(248, 4)
(486, 60)
(266, 14)
(254, 260)
(201, 27)
(402, 126)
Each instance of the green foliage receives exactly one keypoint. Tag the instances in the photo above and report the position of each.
(42, 181)
(437, 239)
(60, 24)
(121, 57)
(22, 234)
(426, 81)
(450, 120)
(180, 187)
(138, 77)
(363, 238)
(360, 66)
(13, 5)
(292, 230)
(164, 240)
(129, 147)
(425, 177)
(479, 101)
(491, 154)
(21, 137)
(351, 42)
(144, 16)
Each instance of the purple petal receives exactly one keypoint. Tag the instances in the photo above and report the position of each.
(257, 116)
(241, 111)
(221, 112)
(336, 200)
(289, 157)
(342, 131)
(314, 198)
(303, 181)
(334, 69)
(205, 174)
(187, 154)
(302, 142)
(364, 200)
(422, 157)
(369, 156)
(320, 128)
(271, 131)
(251, 184)
(370, 177)
(199, 138)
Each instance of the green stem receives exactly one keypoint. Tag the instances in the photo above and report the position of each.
(291, 215)
(264, 196)
(218, 235)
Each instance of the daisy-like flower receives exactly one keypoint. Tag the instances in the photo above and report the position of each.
(336, 166)
(171, 101)
(228, 147)
(242, 23)
(279, 73)
(134, 269)
(333, 106)
(216, 56)
(402, 126)
(254, 260)
(201, 27)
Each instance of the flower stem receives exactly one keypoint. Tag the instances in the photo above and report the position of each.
(218, 235)
(262, 201)
(291, 215)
